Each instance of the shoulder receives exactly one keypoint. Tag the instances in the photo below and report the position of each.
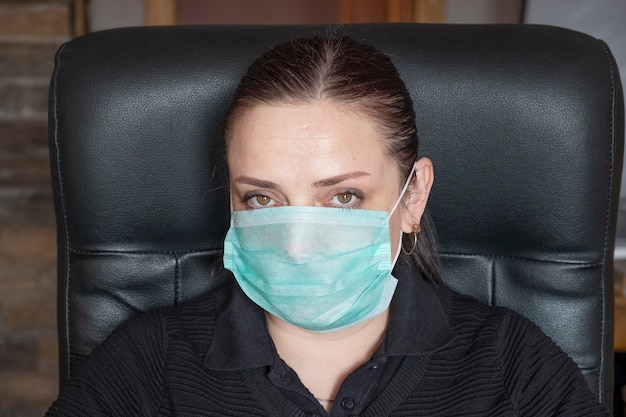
(538, 376)
(202, 307)
(156, 329)
(463, 311)
(144, 340)
(503, 332)
(126, 374)
(468, 314)
(191, 321)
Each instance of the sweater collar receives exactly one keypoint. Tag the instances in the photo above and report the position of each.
(418, 325)
(241, 340)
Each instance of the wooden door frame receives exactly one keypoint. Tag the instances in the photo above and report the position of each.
(78, 19)
(163, 12)
(160, 12)
(370, 11)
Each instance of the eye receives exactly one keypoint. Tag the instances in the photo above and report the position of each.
(256, 201)
(262, 200)
(343, 198)
(347, 198)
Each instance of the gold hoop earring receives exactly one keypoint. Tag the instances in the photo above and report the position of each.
(416, 229)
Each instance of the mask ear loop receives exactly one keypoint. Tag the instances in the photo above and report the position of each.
(395, 206)
(232, 209)
(406, 186)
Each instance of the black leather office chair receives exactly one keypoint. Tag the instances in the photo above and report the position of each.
(524, 125)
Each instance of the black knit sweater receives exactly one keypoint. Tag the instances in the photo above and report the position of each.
(495, 363)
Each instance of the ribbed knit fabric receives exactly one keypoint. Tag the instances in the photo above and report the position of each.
(499, 364)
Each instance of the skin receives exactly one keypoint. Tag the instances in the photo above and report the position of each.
(322, 154)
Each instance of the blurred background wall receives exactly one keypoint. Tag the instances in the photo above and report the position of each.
(30, 33)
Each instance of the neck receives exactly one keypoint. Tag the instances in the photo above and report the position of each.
(371, 331)
(323, 360)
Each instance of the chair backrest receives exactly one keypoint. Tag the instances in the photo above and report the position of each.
(524, 125)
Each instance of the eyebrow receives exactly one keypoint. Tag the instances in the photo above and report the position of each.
(242, 179)
(338, 179)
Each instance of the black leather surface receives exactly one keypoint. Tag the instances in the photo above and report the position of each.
(524, 125)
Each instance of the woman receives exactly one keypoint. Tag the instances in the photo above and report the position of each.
(337, 305)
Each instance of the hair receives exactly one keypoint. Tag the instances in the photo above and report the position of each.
(343, 71)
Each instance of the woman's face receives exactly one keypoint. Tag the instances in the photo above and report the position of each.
(314, 154)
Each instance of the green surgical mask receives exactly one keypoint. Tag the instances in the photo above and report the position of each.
(319, 268)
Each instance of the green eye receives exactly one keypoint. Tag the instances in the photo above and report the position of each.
(263, 200)
(344, 198)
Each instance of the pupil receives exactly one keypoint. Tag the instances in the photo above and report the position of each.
(345, 197)
(262, 199)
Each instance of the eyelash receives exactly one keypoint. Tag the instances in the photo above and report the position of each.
(246, 199)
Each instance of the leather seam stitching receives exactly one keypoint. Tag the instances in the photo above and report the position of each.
(176, 281)
(63, 203)
(489, 256)
(611, 172)
(165, 252)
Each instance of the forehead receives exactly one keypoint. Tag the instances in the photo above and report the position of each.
(318, 129)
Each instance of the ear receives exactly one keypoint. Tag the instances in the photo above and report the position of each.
(417, 194)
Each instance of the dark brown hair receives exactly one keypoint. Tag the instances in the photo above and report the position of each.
(352, 74)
